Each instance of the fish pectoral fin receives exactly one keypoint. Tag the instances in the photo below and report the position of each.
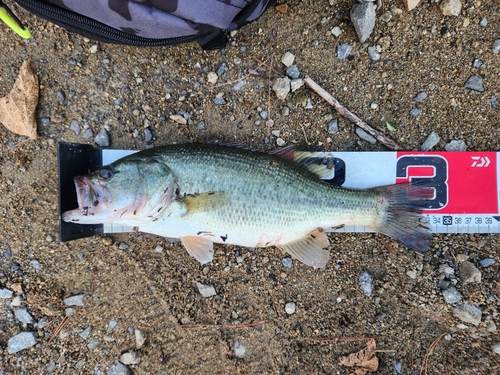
(311, 250)
(201, 248)
(205, 201)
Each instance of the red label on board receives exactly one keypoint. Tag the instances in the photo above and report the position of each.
(464, 182)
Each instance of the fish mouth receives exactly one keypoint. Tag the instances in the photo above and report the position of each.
(89, 195)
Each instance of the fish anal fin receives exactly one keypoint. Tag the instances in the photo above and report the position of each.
(311, 250)
(199, 247)
(205, 201)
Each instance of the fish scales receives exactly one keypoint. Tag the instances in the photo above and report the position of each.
(264, 189)
(226, 194)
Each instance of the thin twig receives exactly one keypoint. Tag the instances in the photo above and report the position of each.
(267, 66)
(242, 325)
(58, 329)
(343, 111)
(430, 350)
(340, 338)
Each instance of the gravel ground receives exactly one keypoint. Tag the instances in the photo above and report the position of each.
(142, 305)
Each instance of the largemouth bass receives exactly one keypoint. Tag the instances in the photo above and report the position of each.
(205, 194)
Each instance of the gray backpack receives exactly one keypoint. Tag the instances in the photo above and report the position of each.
(150, 22)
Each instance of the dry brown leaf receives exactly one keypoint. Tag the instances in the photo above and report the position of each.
(17, 108)
(364, 360)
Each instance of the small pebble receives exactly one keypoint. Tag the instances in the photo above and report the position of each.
(431, 141)
(496, 348)
(36, 265)
(5, 293)
(287, 262)
(16, 302)
(93, 343)
(212, 77)
(239, 85)
(74, 300)
(21, 341)
(486, 262)
(148, 135)
(158, 249)
(397, 367)
(45, 121)
(102, 138)
(495, 48)
(333, 126)
(456, 145)
(475, 82)
(75, 126)
(450, 7)
(123, 246)
(69, 311)
(494, 102)
(112, 324)
(61, 95)
(93, 48)
(491, 326)
(336, 31)
(452, 295)
(365, 283)
(139, 338)
(263, 114)
(386, 16)
(85, 333)
(219, 101)
(280, 142)
(373, 53)
(88, 133)
(374, 105)
(420, 97)
(365, 136)
(296, 84)
(290, 308)
(239, 350)
(118, 368)
(477, 63)
(265, 260)
(130, 358)
(468, 313)
(288, 59)
(221, 69)
(24, 316)
(281, 87)
(412, 274)
(343, 50)
(293, 72)
(483, 22)
(415, 112)
(206, 290)
(469, 273)
(285, 111)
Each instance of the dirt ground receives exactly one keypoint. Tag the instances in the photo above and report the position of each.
(142, 282)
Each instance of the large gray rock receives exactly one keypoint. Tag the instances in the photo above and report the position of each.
(363, 19)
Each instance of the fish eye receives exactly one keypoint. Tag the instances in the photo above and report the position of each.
(106, 173)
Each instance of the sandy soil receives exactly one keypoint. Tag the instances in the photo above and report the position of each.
(142, 288)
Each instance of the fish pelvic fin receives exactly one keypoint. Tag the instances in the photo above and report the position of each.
(311, 250)
(403, 219)
(205, 201)
(201, 248)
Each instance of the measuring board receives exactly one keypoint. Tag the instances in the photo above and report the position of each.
(465, 184)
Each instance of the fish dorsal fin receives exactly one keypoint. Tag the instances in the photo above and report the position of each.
(311, 250)
(321, 166)
(199, 247)
(205, 201)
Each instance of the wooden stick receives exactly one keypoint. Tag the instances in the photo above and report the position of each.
(343, 111)
(242, 325)
(339, 338)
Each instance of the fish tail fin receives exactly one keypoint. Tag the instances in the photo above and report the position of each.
(403, 219)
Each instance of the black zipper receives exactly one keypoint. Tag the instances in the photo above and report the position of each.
(96, 30)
